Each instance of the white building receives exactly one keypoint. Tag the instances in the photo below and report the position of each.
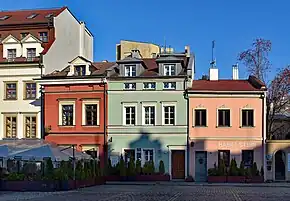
(33, 43)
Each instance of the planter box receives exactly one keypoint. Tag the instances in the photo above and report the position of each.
(113, 178)
(42, 186)
(189, 179)
(216, 179)
(236, 179)
(152, 178)
(255, 179)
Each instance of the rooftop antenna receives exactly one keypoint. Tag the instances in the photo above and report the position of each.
(164, 44)
(213, 61)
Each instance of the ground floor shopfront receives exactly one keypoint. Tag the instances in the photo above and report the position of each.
(171, 149)
(278, 160)
(89, 143)
(204, 153)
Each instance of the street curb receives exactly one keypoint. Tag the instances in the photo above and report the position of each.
(195, 184)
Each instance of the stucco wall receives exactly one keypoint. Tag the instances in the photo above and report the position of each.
(20, 106)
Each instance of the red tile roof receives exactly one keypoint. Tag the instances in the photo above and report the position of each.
(20, 16)
(227, 85)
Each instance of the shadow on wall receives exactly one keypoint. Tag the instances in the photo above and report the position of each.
(36, 102)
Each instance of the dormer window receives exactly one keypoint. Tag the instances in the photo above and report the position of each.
(11, 54)
(5, 17)
(31, 53)
(169, 69)
(80, 70)
(130, 70)
(43, 36)
(32, 16)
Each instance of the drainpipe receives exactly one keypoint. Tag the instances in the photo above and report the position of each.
(42, 117)
(187, 128)
(264, 132)
(105, 124)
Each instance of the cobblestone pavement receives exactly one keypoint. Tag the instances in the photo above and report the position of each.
(158, 193)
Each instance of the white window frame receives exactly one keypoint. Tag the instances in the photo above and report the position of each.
(170, 85)
(241, 117)
(129, 70)
(150, 85)
(96, 147)
(169, 66)
(130, 86)
(90, 102)
(143, 113)
(143, 155)
(124, 113)
(11, 58)
(164, 104)
(217, 117)
(66, 102)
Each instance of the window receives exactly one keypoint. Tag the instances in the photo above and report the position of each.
(30, 90)
(130, 86)
(149, 115)
(67, 115)
(130, 70)
(169, 69)
(225, 156)
(32, 16)
(200, 117)
(130, 115)
(169, 85)
(31, 53)
(80, 70)
(5, 17)
(30, 126)
(49, 15)
(169, 115)
(43, 36)
(149, 85)
(224, 118)
(248, 157)
(247, 118)
(91, 114)
(10, 126)
(11, 91)
(23, 35)
(11, 54)
(148, 155)
(139, 154)
(129, 154)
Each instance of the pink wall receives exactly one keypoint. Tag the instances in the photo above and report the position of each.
(234, 138)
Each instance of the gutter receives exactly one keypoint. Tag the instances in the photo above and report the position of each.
(185, 95)
(264, 132)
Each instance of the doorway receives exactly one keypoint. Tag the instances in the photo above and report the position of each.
(280, 162)
(178, 164)
(200, 166)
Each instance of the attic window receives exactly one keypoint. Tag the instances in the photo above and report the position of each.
(32, 16)
(49, 15)
(5, 17)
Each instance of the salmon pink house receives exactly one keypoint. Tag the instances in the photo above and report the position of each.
(74, 107)
(226, 120)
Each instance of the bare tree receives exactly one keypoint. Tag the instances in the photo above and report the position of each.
(256, 58)
(278, 100)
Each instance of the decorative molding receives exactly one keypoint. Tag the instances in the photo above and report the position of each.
(200, 106)
(223, 106)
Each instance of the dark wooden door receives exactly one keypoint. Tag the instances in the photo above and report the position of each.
(178, 164)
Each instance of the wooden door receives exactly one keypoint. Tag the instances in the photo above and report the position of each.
(200, 166)
(178, 164)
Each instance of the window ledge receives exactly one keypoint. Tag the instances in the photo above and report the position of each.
(8, 99)
(247, 127)
(90, 125)
(223, 126)
(169, 89)
(72, 126)
(128, 125)
(149, 89)
(200, 126)
(29, 98)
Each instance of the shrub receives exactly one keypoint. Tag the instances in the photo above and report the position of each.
(138, 167)
(222, 168)
(262, 171)
(151, 167)
(242, 169)
(213, 171)
(254, 170)
(161, 167)
(233, 171)
(122, 166)
(131, 167)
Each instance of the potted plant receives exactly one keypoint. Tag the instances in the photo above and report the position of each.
(217, 174)
(254, 176)
(131, 170)
(122, 169)
(234, 174)
(161, 168)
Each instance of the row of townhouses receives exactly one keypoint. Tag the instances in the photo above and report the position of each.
(146, 104)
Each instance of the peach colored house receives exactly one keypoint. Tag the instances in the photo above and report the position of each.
(226, 120)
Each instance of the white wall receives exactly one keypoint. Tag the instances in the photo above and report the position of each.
(12, 46)
(19, 106)
(37, 46)
(66, 46)
(88, 46)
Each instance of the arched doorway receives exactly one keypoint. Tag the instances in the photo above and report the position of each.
(280, 162)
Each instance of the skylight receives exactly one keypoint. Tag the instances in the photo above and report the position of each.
(49, 15)
(5, 17)
(32, 16)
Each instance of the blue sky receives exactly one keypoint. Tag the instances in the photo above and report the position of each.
(232, 24)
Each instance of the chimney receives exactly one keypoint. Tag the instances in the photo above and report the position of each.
(187, 50)
(82, 38)
(235, 72)
(136, 54)
(213, 74)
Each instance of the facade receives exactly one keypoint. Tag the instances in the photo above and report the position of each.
(75, 110)
(226, 120)
(147, 111)
(32, 43)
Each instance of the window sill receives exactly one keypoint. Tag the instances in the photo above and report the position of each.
(129, 125)
(9, 99)
(129, 89)
(169, 89)
(200, 126)
(149, 89)
(247, 127)
(90, 126)
(223, 126)
(29, 98)
(72, 126)
(168, 124)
